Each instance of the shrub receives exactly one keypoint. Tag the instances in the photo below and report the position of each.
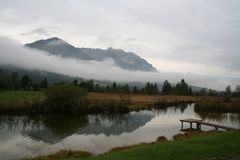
(161, 139)
(66, 98)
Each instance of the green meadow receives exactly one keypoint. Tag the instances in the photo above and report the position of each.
(217, 146)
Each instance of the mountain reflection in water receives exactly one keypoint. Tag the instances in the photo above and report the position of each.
(54, 128)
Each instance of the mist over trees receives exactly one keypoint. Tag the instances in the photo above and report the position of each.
(181, 88)
(12, 81)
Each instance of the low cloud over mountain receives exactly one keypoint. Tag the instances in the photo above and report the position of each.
(122, 59)
(14, 54)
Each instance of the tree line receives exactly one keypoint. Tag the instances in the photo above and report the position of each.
(12, 81)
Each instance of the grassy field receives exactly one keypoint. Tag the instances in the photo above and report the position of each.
(17, 96)
(19, 99)
(141, 101)
(218, 146)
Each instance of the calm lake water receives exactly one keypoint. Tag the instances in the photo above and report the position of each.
(26, 136)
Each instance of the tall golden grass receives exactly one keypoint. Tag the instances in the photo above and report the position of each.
(142, 101)
(219, 104)
(124, 102)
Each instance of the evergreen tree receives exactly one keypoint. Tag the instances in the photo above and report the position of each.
(14, 80)
(212, 92)
(228, 91)
(151, 88)
(107, 89)
(166, 88)
(177, 88)
(75, 83)
(97, 88)
(190, 92)
(90, 85)
(44, 83)
(237, 90)
(114, 87)
(135, 90)
(182, 88)
(26, 82)
(126, 89)
(8, 80)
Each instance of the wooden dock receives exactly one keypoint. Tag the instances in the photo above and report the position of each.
(199, 123)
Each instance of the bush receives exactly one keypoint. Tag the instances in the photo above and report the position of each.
(66, 98)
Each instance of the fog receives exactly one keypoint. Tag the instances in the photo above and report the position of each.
(196, 36)
(195, 40)
(14, 54)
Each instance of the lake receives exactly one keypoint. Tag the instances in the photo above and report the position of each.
(26, 136)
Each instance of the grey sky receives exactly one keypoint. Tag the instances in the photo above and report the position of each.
(200, 37)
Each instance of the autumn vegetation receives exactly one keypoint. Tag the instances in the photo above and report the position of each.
(23, 95)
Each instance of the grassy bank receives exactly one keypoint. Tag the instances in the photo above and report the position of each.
(219, 146)
(98, 102)
(203, 103)
(19, 96)
(144, 101)
(216, 105)
(17, 100)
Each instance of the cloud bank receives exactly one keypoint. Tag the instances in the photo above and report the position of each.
(198, 36)
(13, 53)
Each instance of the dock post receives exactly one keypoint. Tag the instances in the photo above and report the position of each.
(198, 126)
(182, 125)
(216, 128)
(190, 125)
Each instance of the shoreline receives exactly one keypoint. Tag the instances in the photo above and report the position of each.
(33, 102)
(192, 136)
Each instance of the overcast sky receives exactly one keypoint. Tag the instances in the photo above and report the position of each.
(197, 37)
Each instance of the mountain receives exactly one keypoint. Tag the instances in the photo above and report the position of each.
(122, 59)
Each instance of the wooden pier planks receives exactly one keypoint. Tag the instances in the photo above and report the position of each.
(201, 122)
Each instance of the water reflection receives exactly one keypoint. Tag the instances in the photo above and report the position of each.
(111, 125)
(22, 136)
(220, 117)
(54, 128)
(180, 107)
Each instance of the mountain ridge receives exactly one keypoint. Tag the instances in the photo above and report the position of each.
(125, 60)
